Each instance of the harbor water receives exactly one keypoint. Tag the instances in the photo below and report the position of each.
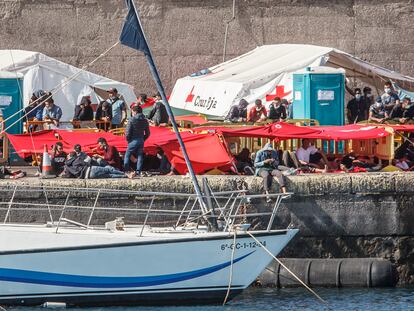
(266, 299)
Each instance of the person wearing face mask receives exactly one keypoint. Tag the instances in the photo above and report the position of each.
(356, 108)
(277, 111)
(377, 111)
(389, 98)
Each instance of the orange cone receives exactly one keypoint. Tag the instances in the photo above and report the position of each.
(47, 169)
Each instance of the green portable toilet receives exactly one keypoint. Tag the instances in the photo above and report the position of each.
(319, 93)
(11, 101)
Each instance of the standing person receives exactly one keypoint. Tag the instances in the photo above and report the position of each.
(389, 98)
(368, 99)
(277, 111)
(119, 110)
(356, 108)
(158, 114)
(136, 133)
(52, 113)
(34, 110)
(257, 113)
(238, 113)
(58, 158)
(266, 164)
(110, 155)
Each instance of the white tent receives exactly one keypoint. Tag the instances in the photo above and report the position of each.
(46, 73)
(267, 70)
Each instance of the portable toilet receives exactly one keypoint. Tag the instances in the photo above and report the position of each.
(319, 93)
(11, 102)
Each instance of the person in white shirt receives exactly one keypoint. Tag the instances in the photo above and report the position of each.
(309, 155)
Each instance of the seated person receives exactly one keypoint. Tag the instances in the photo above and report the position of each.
(165, 165)
(377, 111)
(266, 164)
(95, 172)
(58, 158)
(408, 111)
(277, 111)
(103, 113)
(34, 110)
(109, 155)
(158, 114)
(244, 163)
(309, 155)
(84, 111)
(238, 113)
(257, 113)
(402, 163)
(77, 163)
(52, 113)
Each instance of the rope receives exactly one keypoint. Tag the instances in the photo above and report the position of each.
(62, 85)
(231, 268)
(287, 269)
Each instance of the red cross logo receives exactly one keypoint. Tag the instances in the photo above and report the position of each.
(190, 96)
(279, 92)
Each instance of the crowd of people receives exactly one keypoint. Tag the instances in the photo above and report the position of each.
(110, 113)
(388, 108)
(268, 163)
(279, 110)
(106, 161)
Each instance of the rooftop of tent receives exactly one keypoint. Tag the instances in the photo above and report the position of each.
(264, 62)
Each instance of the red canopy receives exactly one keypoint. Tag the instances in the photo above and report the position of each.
(352, 131)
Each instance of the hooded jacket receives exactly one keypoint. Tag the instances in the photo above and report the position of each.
(262, 155)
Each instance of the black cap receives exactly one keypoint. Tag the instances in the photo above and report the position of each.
(113, 90)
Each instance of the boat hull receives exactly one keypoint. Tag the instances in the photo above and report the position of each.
(102, 269)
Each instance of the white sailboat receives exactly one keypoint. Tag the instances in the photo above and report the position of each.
(79, 264)
(207, 256)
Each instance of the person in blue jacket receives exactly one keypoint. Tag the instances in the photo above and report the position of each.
(266, 164)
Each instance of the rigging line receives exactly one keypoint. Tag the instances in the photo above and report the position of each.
(21, 97)
(231, 268)
(287, 269)
(64, 83)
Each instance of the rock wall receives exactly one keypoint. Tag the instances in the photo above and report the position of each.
(339, 215)
(188, 35)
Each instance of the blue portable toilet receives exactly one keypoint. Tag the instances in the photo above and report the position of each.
(11, 100)
(319, 93)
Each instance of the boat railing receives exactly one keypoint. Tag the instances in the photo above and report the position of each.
(225, 209)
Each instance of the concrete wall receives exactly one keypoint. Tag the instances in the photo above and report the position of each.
(339, 215)
(187, 35)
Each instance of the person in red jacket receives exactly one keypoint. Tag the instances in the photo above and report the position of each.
(257, 113)
(109, 155)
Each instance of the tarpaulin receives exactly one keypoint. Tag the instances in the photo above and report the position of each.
(353, 131)
(206, 152)
(243, 131)
(196, 144)
(25, 146)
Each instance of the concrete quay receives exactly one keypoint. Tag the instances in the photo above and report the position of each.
(339, 215)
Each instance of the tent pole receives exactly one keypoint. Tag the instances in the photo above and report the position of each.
(233, 17)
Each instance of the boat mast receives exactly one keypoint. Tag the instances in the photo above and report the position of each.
(160, 88)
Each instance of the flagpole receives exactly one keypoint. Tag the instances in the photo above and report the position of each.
(160, 88)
